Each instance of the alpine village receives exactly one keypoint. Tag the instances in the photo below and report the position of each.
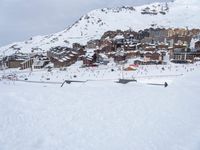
(146, 47)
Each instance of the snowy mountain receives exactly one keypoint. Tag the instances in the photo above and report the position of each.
(179, 13)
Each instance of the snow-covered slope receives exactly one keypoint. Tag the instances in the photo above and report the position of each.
(180, 13)
(102, 115)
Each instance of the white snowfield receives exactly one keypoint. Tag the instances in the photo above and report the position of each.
(181, 13)
(103, 115)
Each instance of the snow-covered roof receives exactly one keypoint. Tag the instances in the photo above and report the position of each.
(66, 57)
(90, 50)
(38, 63)
(60, 60)
(118, 37)
(73, 52)
(103, 56)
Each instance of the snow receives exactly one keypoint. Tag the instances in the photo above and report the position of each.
(182, 14)
(193, 41)
(117, 37)
(102, 114)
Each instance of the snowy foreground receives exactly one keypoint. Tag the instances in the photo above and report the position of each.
(103, 115)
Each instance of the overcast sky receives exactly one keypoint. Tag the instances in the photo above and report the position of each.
(22, 19)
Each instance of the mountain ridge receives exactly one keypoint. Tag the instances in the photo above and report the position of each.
(176, 14)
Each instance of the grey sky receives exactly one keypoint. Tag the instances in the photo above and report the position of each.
(21, 19)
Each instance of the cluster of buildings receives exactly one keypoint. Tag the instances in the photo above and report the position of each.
(24, 61)
(149, 46)
(154, 11)
(63, 56)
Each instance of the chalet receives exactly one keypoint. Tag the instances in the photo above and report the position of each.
(60, 62)
(180, 56)
(90, 58)
(34, 60)
(194, 32)
(62, 56)
(154, 53)
(132, 54)
(152, 56)
(128, 42)
(40, 63)
(102, 59)
(180, 32)
(120, 55)
(106, 46)
(26, 64)
(111, 34)
(180, 39)
(162, 46)
(158, 33)
(93, 44)
(119, 41)
(195, 43)
(131, 43)
(106, 42)
(15, 60)
(80, 50)
(142, 34)
(185, 55)
(76, 45)
(150, 48)
(147, 40)
(130, 34)
(107, 49)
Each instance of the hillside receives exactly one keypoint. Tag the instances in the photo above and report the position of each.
(180, 13)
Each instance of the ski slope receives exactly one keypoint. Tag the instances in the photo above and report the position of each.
(102, 114)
